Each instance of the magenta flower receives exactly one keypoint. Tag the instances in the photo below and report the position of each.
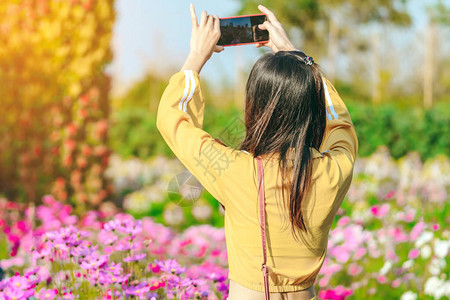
(138, 290)
(18, 282)
(170, 266)
(83, 251)
(136, 257)
(413, 253)
(125, 245)
(94, 262)
(115, 268)
(390, 194)
(109, 294)
(47, 294)
(107, 238)
(111, 225)
(380, 211)
(131, 228)
(156, 284)
(108, 278)
(339, 293)
(155, 268)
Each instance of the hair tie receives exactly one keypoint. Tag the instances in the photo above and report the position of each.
(308, 60)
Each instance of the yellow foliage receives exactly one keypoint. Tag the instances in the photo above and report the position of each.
(51, 55)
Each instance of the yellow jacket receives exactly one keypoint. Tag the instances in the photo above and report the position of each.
(231, 177)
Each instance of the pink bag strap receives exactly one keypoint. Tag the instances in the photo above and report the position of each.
(261, 196)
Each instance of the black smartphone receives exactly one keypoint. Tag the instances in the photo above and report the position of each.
(242, 30)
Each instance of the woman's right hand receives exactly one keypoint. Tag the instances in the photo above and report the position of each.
(278, 40)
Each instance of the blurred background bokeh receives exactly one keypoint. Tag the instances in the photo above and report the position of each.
(80, 83)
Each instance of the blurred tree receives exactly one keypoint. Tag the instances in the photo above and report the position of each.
(438, 14)
(315, 19)
(323, 26)
(54, 98)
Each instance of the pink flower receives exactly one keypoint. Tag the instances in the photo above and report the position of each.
(413, 253)
(323, 282)
(395, 283)
(390, 194)
(342, 255)
(170, 266)
(392, 256)
(136, 257)
(47, 294)
(382, 279)
(435, 227)
(94, 262)
(156, 284)
(354, 269)
(380, 211)
(417, 230)
(343, 221)
(398, 234)
(360, 252)
(138, 290)
(339, 293)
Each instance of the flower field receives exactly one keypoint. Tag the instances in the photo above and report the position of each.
(390, 240)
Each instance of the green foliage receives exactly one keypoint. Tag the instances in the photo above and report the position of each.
(134, 131)
(402, 129)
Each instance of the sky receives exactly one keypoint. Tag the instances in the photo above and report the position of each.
(154, 35)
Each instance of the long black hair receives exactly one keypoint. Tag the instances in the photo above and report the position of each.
(284, 109)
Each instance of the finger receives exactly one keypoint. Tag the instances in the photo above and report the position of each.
(193, 16)
(267, 26)
(203, 18)
(210, 21)
(216, 23)
(219, 48)
(270, 14)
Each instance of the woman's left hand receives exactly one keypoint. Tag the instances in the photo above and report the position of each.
(204, 38)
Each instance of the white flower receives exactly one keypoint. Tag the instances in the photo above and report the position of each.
(201, 211)
(409, 296)
(173, 214)
(441, 248)
(425, 251)
(437, 288)
(425, 237)
(337, 236)
(386, 267)
(436, 265)
(408, 264)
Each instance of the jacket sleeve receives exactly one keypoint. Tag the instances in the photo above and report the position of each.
(340, 135)
(334, 168)
(180, 121)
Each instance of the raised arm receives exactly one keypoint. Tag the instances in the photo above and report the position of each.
(340, 134)
(181, 110)
(180, 121)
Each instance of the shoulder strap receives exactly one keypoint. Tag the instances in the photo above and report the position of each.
(261, 196)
